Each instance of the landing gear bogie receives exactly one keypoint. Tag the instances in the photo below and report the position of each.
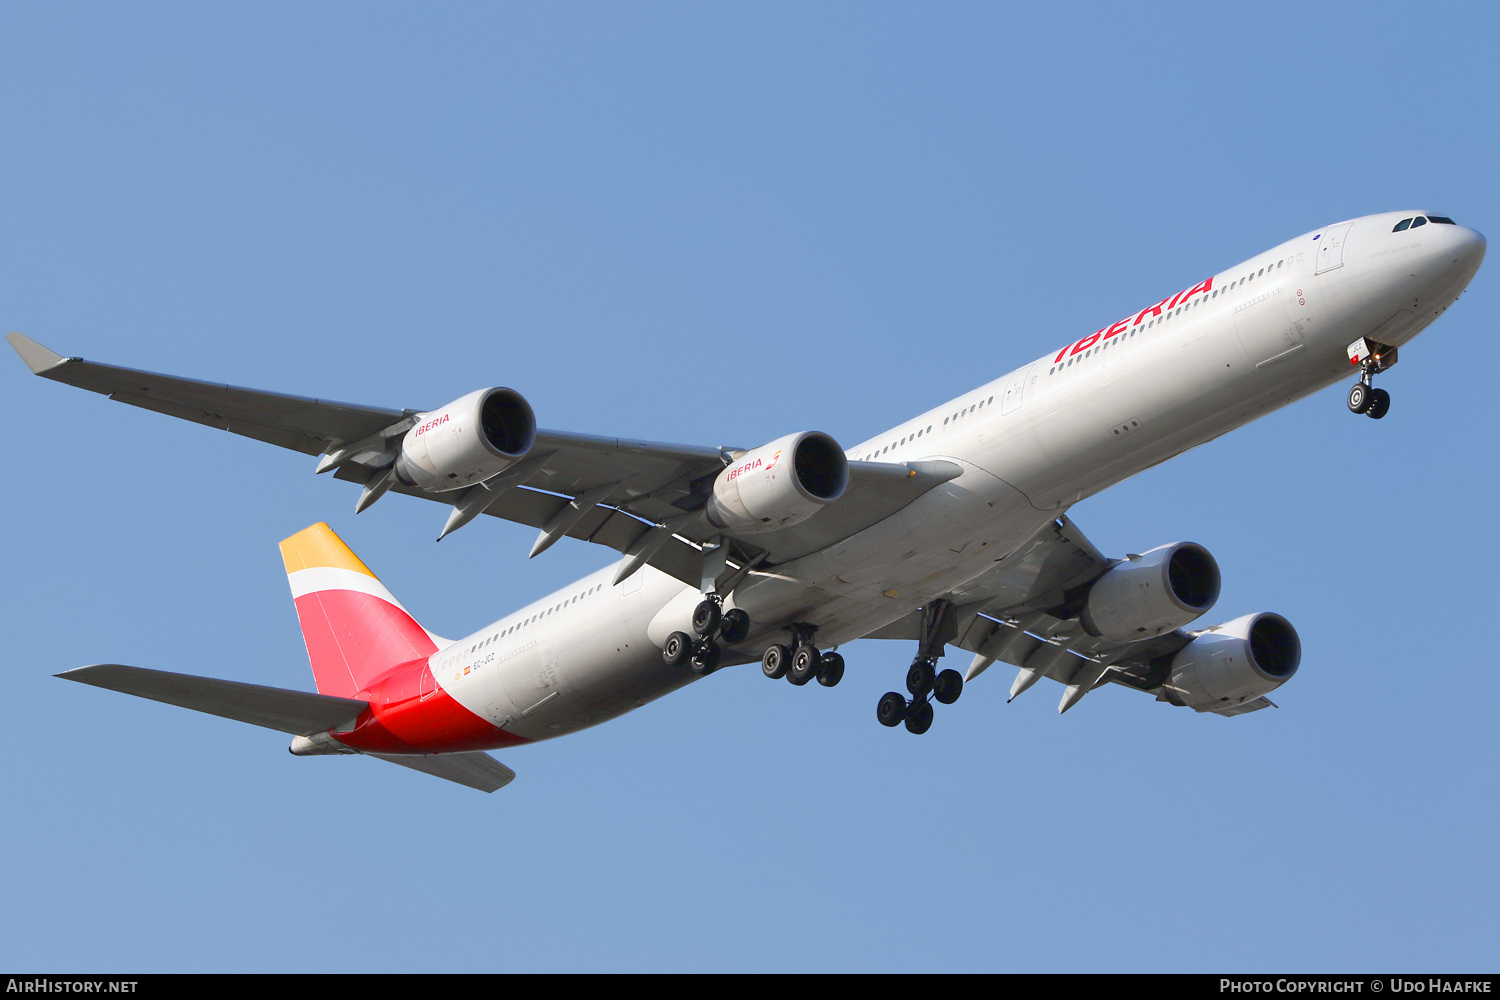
(923, 680)
(801, 662)
(711, 624)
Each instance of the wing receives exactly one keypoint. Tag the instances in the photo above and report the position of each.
(641, 498)
(1025, 613)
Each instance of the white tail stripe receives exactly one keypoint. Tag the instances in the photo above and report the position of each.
(310, 581)
(320, 578)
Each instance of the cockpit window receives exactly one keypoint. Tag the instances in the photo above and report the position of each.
(1401, 225)
(1443, 219)
(1418, 221)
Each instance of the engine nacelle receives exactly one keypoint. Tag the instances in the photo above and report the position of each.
(467, 441)
(1152, 593)
(779, 484)
(1236, 662)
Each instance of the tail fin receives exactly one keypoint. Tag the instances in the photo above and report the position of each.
(354, 628)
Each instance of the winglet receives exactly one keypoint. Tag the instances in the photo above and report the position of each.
(37, 357)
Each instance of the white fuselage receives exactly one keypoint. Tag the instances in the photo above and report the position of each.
(1165, 379)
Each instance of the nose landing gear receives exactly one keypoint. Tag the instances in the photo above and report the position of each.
(1372, 358)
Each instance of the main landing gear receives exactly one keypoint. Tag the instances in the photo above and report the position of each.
(801, 662)
(923, 680)
(711, 624)
(1372, 359)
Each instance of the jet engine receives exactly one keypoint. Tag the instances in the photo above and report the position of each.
(1233, 663)
(1152, 593)
(467, 441)
(779, 484)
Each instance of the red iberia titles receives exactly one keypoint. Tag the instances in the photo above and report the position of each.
(739, 471)
(1168, 304)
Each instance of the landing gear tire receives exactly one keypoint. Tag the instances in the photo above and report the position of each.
(919, 717)
(830, 669)
(678, 649)
(891, 709)
(1360, 398)
(734, 626)
(1380, 403)
(775, 661)
(706, 618)
(706, 659)
(948, 686)
(919, 678)
(804, 665)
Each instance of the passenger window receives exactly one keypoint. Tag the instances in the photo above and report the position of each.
(1418, 221)
(1401, 225)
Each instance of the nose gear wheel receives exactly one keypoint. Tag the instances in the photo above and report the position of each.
(1373, 359)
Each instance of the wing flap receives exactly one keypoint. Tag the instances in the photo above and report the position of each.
(299, 713)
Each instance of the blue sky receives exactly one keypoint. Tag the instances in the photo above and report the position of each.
(719, 224)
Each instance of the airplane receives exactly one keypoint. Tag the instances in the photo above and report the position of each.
(950, 528)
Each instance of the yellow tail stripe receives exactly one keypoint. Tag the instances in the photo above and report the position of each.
(318, 547)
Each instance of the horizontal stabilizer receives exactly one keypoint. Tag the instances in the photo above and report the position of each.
(475, 769)
(296, 712)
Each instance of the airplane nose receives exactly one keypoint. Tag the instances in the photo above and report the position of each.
(1466, 247)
